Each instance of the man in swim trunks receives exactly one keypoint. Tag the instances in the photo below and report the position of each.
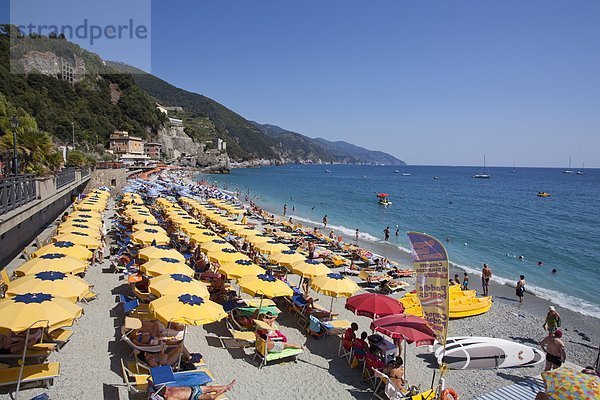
(486, 275)
(555, 350)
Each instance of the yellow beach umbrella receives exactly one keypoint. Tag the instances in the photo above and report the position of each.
(286, 258)
(153, 252)
(150, 236)
(309, 268)
(215, 245)
(226, 255)
(334, 285)
(259, 239)
(187, 309)
(264, 285)
(70, 228)
(80, 238)
(79, 225)
(92, 222)
(36, 310)
(246, 232)
(90, 206)
(271, 247)
(175, 284)
(143, 217)
(67, 248)
(238, 268)
(203, 237)
(165, 266)
(58, 284)
(142, 226)
(52, 262)
(85, 214)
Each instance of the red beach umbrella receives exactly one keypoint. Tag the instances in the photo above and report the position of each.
(405, 327)
(374, 305)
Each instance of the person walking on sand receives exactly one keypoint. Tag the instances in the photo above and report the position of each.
(486, 275)
(520, 289)
(555, 350)
(386, 232)
(552, 322)
(325, 221)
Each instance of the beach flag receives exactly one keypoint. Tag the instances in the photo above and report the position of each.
(430, 261)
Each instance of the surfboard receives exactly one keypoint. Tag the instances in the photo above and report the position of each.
(486, 353)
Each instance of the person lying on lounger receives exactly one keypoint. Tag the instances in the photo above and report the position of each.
(15, 343)
(161, 358)
(196, 392)
(277, 346)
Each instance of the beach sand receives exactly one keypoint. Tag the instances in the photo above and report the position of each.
(91, 370)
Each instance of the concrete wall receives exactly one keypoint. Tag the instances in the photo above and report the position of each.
(106, 177)
(21, 226)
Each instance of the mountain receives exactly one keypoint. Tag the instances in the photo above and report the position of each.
(327, 151)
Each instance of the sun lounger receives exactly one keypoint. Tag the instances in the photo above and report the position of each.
(137, 382)
(40, 355)
(60, 337)
(241, 338)
(266, 357)
(44, 373)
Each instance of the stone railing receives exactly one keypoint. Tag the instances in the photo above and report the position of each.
(16, 191)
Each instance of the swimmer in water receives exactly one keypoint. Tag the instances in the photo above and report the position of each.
(554, 270)
(521, 258)
(540, 263)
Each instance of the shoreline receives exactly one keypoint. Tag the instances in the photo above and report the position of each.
(575, 325)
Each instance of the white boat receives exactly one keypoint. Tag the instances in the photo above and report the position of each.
(487, 353)
(327, 171)
(569, 171)
(513, 171)
(405, 174)
(396, 171)
(483, 175)
(581, 172)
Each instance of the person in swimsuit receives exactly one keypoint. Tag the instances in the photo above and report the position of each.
(555, 350)
(465, 284)
(486, 275)
(520, 289)
(196, 392)
(395, 371)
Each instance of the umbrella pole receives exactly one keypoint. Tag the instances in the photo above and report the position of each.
(404, 369)
(22, 364)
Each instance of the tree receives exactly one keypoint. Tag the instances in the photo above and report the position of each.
(76, 159)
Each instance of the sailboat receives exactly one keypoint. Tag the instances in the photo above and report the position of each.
(581, 172)
(569, 171)
(483, 174)
(514, 170)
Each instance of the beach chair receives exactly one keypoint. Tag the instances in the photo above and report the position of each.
(136, 382)
(315, 328)
(371, 365)
(266, 357)
(345, 348)
(4, 280)
(39, 353)
(43, 373)
(241, 338)
(60, 337)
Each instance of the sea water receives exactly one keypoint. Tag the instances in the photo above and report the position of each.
(491, 221)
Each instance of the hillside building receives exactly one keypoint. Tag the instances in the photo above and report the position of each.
(129, 149)
(152, 150)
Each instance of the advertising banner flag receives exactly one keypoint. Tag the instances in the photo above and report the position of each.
(430, 261)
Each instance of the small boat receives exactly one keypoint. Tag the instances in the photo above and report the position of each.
(513, 171)
(405, 174)
(396, 171)
(327, 171)
(569, 170)
(543, 194)
(383, 199)
(581, 172)
(435, 177)
(469, 306)
(412, 305)
(483, 174)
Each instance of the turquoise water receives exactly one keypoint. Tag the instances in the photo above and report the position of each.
(498, 219)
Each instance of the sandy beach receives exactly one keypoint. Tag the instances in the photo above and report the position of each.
(90, 362)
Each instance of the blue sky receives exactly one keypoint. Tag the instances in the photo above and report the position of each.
(429, 82)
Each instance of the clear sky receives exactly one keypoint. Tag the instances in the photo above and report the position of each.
(435, 82)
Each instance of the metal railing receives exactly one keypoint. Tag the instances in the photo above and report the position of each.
(85, 171)
(65, 177)
(16, 191)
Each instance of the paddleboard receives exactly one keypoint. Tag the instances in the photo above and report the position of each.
(487, 354)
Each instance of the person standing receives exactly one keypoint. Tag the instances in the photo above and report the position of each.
(397, 231)
(552, 322)
(486, 275)
(520, 289)
(465, 284)
(284, 209)
(456, 280)
(325, 221)
(356, 236)
(555, 350)
(386, 232)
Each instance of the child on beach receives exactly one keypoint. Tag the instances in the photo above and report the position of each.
(520, 290)
(465, 284)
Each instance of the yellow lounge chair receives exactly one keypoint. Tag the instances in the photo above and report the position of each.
(60, 337)
(266, 357)
(137, 382)
(241, 338)
(44, 373)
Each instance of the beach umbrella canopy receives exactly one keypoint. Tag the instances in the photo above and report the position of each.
(52, 262)
(187, 309)
(310, 269)
(67, 248)
(373, 305)
(198, 237)
(238, 268)
(90, 206)
(259, 238)
(36, 310)
(264, 285)
(92, 222)
(58, 284)
(225, 255)
(176, 284)
(143, 217)
(152, 252)
(335, 285)
(286, 258)
(80, 238)
(149, 236)
(70, 225)
(165, 265)
(142, 226)
(565, 383)
(215, 245)
(405, 327)
(271, 247)
(246, 231)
